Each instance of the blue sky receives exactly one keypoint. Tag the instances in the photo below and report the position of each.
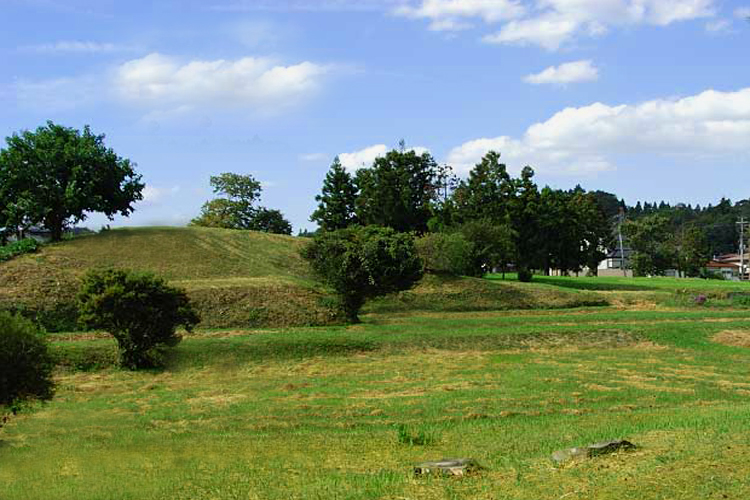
(649, 99)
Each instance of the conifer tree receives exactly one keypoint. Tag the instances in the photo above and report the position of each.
(336, 200)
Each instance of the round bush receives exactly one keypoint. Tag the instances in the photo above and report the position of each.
(360, 263)
(525, 275)
(141, 311)
(25, 361)
(446, 253)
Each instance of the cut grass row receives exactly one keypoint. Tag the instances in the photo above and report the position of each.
(315, 412)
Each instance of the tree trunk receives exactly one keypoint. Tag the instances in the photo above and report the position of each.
(55, 224)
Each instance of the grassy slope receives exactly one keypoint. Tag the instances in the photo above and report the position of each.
(235, 278)
(313, 412)
(238, 279)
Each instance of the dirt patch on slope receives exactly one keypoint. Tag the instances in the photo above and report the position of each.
(735, 338)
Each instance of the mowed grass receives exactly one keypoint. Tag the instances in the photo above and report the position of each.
(659, 284)
(315, 413)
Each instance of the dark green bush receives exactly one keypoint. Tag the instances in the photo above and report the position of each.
(364, 262)
(525, 275)
(492, 245)
(448, 253)
(141, 311)
(25, 361)
(27, 245)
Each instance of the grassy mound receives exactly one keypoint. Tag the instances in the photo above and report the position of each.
(240, 279)
(236, 278)
(454, 294)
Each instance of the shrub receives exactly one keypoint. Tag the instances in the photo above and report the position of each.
(27, 245)
(446, 253)
(25, 361)
(141, 311)
(492, 245)
(525, 275)
(364, 262)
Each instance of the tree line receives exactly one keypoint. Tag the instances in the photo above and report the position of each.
(505, 220)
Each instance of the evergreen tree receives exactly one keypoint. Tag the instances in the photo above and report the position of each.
(524, 212)
(336, 202)
(398, 191)
(486, 193)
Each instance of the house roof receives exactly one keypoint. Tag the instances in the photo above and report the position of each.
(615, 254)
(731, 257)
(719, 265)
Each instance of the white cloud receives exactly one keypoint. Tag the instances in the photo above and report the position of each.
(365, 157)
(549, 32)
(164, 82)
(74, 46)
(553, 23)
(590, 138)
(165, 87)
(572, 72)
(447, 14)
(742, 13)
(153, 195)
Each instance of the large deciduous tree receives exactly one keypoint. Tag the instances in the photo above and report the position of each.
(336, 202)
(55, 175)
(236, 208)
(652, 243)
(691, 250)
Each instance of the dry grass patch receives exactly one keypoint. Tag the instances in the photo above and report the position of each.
(734, 338)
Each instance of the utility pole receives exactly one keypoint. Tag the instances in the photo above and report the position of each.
(620, 218)
(742, 223)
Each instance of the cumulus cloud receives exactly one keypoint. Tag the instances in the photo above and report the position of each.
(552, 23)
(589, 139)
(153, 195)
(164, 86)
(158, 80)
(365, 157)
(742, 13)
(572, 72)
(447, 14)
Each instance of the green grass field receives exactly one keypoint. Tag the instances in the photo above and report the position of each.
(493, 369)
(314, 413)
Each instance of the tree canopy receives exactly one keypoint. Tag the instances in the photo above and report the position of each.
(359, 263)
(397, 191)
(336, 202)
(54, 176)
(236, 208)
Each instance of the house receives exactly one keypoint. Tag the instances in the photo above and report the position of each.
(729, 270)
(615, 262)
(733, 259)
